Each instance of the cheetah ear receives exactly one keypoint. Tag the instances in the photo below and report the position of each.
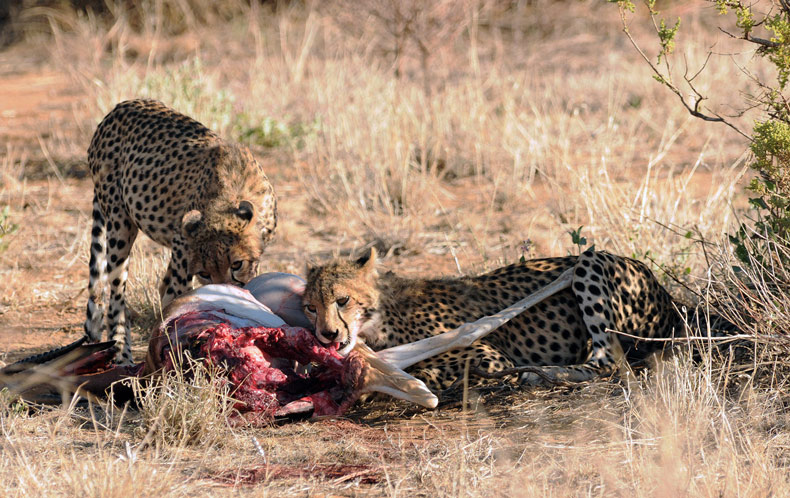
(245, 211)
(310, 270)
(367, 263)
(191, 223)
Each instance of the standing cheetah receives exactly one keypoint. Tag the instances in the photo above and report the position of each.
(164, 173)
(565, 334)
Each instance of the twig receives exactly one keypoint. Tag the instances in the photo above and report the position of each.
(674, 278)
(701, 68)
(695, 110)
(754, 39)
(692, 338)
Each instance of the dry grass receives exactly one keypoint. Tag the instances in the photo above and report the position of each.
(530, 123)
(189, 405)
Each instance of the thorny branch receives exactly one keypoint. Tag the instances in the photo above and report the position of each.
(695, 107)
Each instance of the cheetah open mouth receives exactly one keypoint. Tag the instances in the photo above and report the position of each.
(345, 347)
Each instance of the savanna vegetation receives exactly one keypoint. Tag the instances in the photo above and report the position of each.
(455, 136)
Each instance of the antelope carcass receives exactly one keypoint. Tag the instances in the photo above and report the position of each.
(262, 354)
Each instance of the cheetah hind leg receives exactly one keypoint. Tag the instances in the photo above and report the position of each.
(595, 302)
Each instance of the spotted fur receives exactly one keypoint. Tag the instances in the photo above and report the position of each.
(565, 334)
(165, 174)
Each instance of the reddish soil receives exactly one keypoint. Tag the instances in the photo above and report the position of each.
(41, 279)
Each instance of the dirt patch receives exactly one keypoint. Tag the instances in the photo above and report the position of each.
(39, 107)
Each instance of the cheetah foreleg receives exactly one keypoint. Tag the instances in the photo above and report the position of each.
(94, 321)
(177, 280)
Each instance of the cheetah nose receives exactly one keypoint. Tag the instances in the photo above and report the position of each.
(330, 335)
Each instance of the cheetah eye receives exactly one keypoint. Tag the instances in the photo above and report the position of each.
(342, 301)
(309, 308)
(204, 275)
(237, 265)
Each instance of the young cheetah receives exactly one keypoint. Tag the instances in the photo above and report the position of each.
(565, 334)
(164, 173)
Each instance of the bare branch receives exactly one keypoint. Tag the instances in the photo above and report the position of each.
(754, 39)
(667, 81)
(702, 67)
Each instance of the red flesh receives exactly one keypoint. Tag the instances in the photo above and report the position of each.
(257, 361)
(267, 390)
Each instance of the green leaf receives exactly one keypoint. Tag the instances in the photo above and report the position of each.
(742, 253)
(758, 202)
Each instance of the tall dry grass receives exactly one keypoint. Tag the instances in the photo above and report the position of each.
(531, 122)
(688, 430)
(525, 123)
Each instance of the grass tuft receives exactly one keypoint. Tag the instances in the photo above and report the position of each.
(188, 405)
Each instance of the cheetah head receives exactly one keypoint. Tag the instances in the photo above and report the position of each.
(341, 302)
(223, 246)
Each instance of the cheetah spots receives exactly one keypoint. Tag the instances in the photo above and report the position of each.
(607, 292)
(143, 180)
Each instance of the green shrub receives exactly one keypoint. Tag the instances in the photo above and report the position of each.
(761, 242)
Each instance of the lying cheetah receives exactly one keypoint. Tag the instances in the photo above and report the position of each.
(164, 173)
(564, 334)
